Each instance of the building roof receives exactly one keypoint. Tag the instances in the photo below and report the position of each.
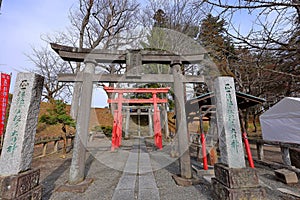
(193, 105)
(244, 100)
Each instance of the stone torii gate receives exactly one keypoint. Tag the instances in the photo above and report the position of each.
(134, 60)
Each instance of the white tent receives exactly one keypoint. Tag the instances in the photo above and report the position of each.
(282, 121)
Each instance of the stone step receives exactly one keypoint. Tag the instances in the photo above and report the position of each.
(286, 176)
(289, 192)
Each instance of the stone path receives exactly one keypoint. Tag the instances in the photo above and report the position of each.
(128, 174)
(137, 181)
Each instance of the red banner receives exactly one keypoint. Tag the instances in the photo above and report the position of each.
(4, 92)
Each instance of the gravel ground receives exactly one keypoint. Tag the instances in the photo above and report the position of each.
(105, 168)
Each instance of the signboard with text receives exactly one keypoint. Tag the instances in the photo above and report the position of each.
(4, 93)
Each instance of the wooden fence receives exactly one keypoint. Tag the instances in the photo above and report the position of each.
(55, 140)
(285, 153)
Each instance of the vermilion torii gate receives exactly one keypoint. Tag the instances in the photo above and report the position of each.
(133, 60)
(117, 126)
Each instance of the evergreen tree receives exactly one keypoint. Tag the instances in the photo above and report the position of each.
(157, 40)
(219, 46)
(58, 115)
(160, 19)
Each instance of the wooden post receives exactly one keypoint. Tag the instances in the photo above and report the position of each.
(156, 120)
(285, 153)
(45, 144)
(91, 136)
(72, 142)
(127, 122)
(139, 121)
(55, 146)
(120, 118)
(165, 122)
(260, 150)
(150, 121)
(181, 123)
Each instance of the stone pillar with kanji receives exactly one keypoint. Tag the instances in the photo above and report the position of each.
(233, 180)
(17, 179)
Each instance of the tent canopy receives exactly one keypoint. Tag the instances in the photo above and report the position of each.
(282, 121)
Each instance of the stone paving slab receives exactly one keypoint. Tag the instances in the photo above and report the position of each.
(145, 169)
(144, 163)
(131, 168)
(148, 194)
(123, 195)
(147, 181)
(127, 181)
(139, 162)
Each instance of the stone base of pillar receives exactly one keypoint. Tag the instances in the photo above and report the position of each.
(225, 193)
(236, 183)
(78, 188)
(186, 181)
(24, 185)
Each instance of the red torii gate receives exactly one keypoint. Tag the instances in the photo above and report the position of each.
(117, 126)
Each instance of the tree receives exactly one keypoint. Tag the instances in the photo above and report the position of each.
(181, 16)
(49, 64)
(58, 115)
(212, 36)
(160, 19)
(275, 22)
(168, 34)
(105, 24)
(272, 38)
(266, 54)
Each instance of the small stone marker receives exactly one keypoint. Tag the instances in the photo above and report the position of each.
(230, 140)
(286, 176)
(19, 138)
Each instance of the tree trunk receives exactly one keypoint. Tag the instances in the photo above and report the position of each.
(64, 136)
(254, 123)
(246, 119)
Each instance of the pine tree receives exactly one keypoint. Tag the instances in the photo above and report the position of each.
(58, 115)
(219, 46)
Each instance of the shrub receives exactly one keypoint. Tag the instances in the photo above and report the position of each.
(107, 130)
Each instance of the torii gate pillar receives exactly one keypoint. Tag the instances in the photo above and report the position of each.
(181, 123)
(77, 168)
